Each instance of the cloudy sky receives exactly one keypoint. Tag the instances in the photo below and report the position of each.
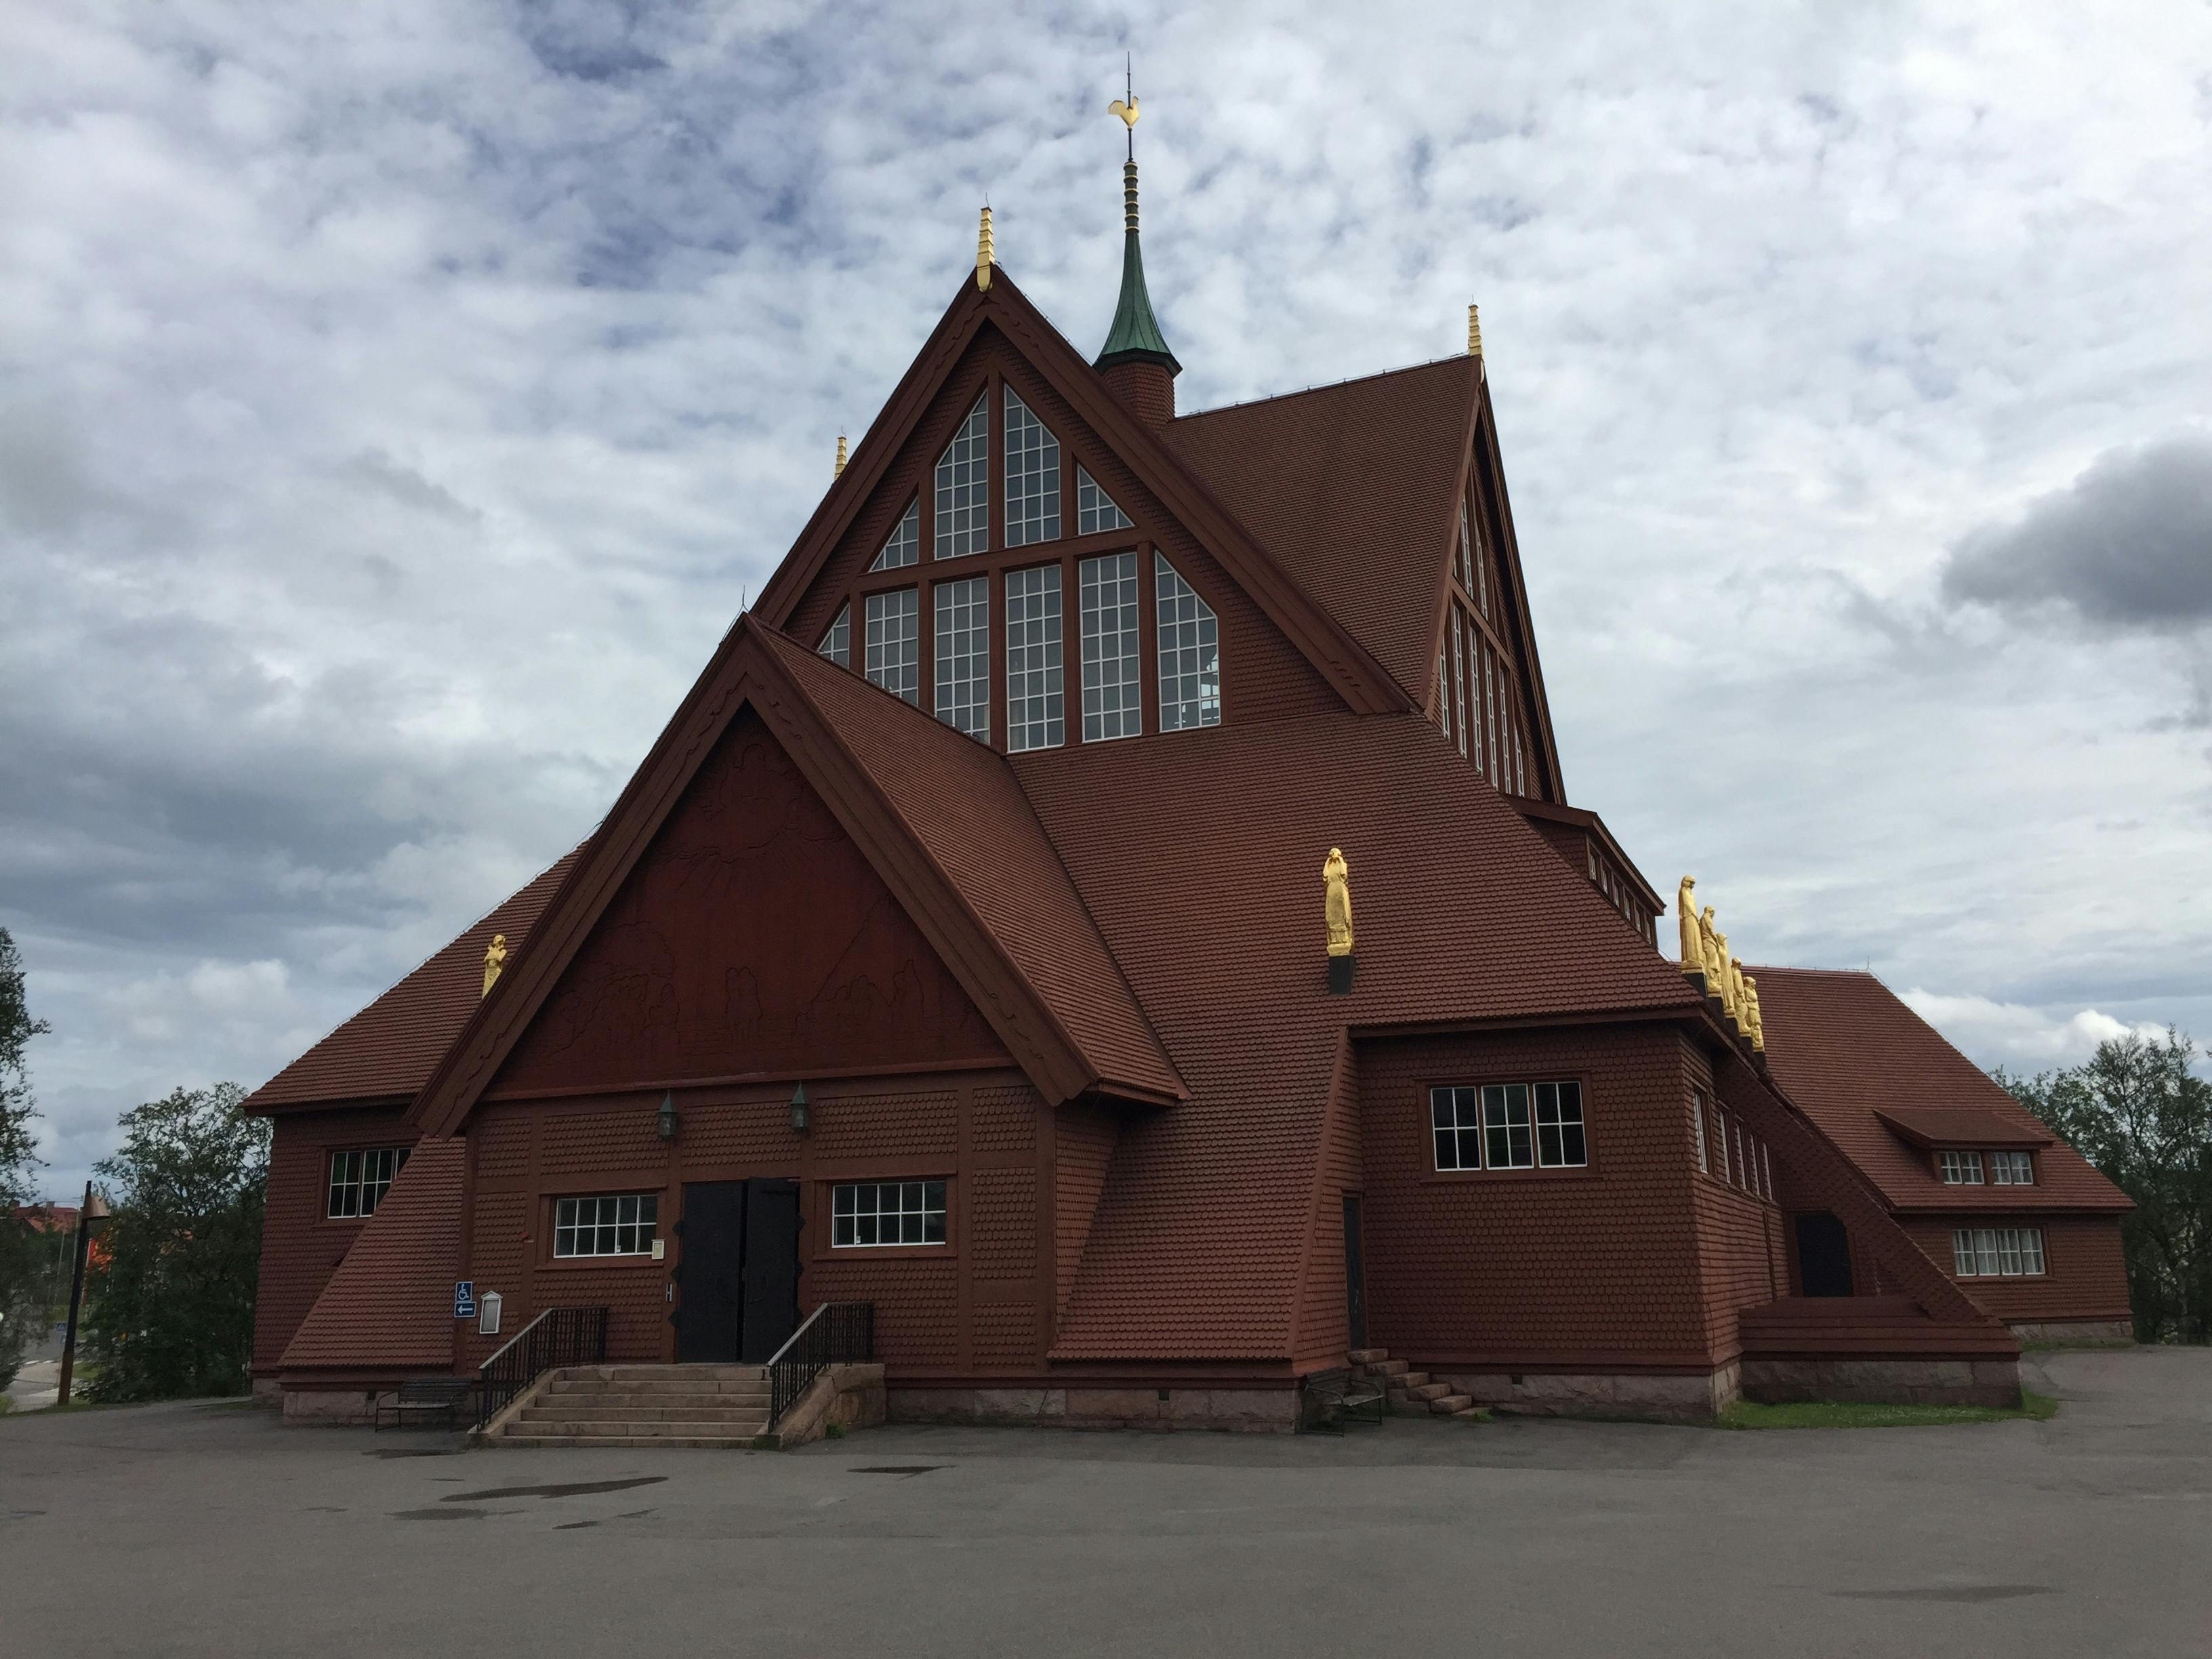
(397, 399)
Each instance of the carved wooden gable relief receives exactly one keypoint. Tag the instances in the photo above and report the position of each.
(752, 936)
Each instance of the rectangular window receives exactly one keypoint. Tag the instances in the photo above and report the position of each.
(1482, 580)
(620, 1224)
(872, 1213)
(1443, 693)
(964, 656)
(1766, 1167)
(1108, 609)
(1032, 477)
(1190, 652)
(359, 1180)
(1698, 1129)
(1720, 1137)
(1559, 1141)
(837, 643)
(1474, 694)
(1455, 1119)
(2012, 1169)
(1490, 713)
(1520, 766)
(1034, 701)
(1095, 510)
(1743, 1169)
(1466, 551)
(1459, 683)
(904, 547)
(893, 644)
(963, 521)
(1998, 1252)
(1507, 1141)
(1962, 1169)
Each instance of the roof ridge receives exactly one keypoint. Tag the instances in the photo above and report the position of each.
(1325, 386)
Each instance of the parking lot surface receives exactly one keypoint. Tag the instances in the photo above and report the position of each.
(184, 1529)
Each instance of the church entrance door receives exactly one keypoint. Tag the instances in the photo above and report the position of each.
(739, 1271)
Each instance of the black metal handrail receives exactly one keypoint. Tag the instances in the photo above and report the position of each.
(557, 1337)
(834, 1333)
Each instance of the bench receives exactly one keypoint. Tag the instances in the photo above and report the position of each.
(1335, 1398)
(421, 1398)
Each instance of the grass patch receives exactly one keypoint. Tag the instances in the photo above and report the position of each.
(1853, 1414)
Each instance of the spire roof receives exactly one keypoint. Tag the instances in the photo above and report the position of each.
(1135, 337)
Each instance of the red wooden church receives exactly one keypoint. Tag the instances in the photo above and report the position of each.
(962, 948)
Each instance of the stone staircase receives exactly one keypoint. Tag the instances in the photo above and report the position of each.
(1409, 1392)
(641, 1406)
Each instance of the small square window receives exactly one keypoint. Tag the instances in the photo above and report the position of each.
(1559, 1141)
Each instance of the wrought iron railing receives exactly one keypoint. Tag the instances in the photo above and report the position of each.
(834, 1333)
(557, 1337)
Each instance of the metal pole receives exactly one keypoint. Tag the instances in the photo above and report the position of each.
(76, 1295)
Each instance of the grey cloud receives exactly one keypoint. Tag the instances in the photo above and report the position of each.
(2127, 545)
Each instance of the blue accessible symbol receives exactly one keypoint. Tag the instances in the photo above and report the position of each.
(465, 1298)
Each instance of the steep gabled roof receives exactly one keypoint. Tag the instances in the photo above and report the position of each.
(1041, 1021)
(385, 1051)
(1846, 1049)
(389, 1303)
(1335, 653)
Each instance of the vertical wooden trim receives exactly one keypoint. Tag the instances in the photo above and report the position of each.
(1047, 1142)
(531, 1217)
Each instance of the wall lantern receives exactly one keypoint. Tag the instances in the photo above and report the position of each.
(800, 1116)
(670, 1121)
(487, 1306)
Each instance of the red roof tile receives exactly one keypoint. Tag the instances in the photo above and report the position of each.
(390, 1304)
(1845, 1048)
(1353, 491)
(387, 1050)
(1959, 1126)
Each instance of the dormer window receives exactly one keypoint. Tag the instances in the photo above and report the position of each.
(904, 548)
(1190, 652)
(1032, 477)
(1095, 510)
(963, 512)
(2012, 1169)
(1961, 1169)
(837, 643)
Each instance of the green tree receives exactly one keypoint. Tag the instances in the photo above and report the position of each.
(20, 1316)
(175, 1310)
(2138, 1111)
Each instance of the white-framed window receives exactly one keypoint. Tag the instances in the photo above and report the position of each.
(1742, 1167)
(870, 1214)
(1095, 510)
(360, 1179)
(1520, 766)
(838, 642)
(1482, 579)
(1456, 1122)
(964, 656)
(1474, 722)
(1107, 607)
(1443, 692)
(1998, 1252)
(1698, 1129)
(1509, 1125)
(1721, 1135)
(1032, 477)
(904, 547)
(1466, 551)
(964, 515)
(1036, 707)
(1190, 652)
(612, 1224)
(1459, 682)
(1961, 1168)
(1490, 712)
(1507, 1141)
(2012, 1169)
(894, 643)
(1766, 1167)
(1561, 1143)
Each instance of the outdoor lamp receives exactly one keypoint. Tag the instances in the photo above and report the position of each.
(96, 1212)
(798, 1112)
(669, 1120)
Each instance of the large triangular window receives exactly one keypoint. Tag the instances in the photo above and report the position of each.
(1190, 652)
(1095, 510)
(1032, 477)
(905, 545)
(964, 500)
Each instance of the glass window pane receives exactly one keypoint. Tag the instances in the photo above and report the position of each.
(1108, 609)
(1032, 477)
(2031, 1247)
(1458, 683)
(1962, 1252)
(1095, 510)
(1985, 1250)
(962, 525)
(1190, 652)
(838, 642)
(1034, 700)
(893, 643)
(964, 656)
(904, 547)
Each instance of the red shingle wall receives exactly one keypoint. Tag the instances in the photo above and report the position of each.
(1591, 1268)
(300, 1248)
(1323, 1330)
(390, 1304)
(1741, 1261)
(2086, 1273)
(975, 1306)
(1083, 1142)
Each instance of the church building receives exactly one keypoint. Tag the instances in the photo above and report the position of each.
(1113, 907)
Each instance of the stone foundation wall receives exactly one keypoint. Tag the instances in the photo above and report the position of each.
(1246, 1411)
(2085, 1332)
(1677, 1398)
(1983, 1381)
(330, 1406)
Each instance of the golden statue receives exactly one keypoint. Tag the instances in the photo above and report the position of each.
(1337, 906)
(1693, 938)
(1751, 1026)
(1709, 954)
(1735, 986)
(495, 959)
(1727, 974)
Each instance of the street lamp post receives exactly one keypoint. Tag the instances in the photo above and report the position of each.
(90, 1214)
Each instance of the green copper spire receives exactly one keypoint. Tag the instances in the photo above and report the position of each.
(1135, 337)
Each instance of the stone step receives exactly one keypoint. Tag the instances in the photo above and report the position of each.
(1454, 1405)
(1403, 1404)
(595, 1411)
(662, 1373)
(1389, 1368)
(675, 1429)
(635, 1443)
(1410, 1380)
(1367, 1356)
(643, 1388)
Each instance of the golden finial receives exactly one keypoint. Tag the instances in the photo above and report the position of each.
(840, 472)
(495, 959)
(1474, 332)
(985, 256)
(1336, 904)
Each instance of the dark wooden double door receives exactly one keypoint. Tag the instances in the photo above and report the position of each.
(739, 1271)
